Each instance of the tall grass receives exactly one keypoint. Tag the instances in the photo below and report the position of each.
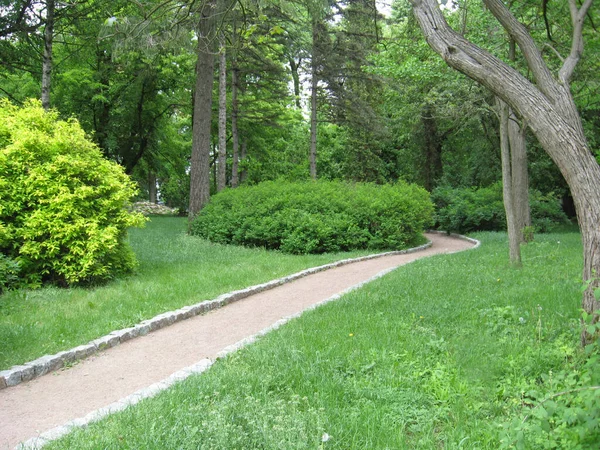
(174, 270)
(434, 355)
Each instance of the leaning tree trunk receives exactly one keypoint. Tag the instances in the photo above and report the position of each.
(222, 159)
(547, 106)
(202, 114)
(47, 56)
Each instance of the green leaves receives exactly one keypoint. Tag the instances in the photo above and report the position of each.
(65, 210)
(316, 217)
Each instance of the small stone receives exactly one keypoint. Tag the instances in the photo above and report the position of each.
(83, 351)
(12, 376)
(128, 333)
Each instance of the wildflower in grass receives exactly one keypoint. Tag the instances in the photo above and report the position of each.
(325, 437)
(351, 334)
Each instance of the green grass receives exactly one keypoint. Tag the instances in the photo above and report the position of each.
(434, 355)
(174, 270)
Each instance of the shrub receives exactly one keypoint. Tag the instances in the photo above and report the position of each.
(467, 209)
(316, 217)
(62, 205)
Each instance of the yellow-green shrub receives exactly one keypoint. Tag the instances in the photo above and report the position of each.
(63, 214)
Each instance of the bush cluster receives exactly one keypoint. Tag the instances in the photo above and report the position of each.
(316, 217)
(464, 210)
(63, 214)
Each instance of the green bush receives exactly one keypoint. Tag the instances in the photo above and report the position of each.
(467, 209)
(63, 214)
(9, 273)
(316, 217)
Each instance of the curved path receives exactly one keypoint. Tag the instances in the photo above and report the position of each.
(33, 407)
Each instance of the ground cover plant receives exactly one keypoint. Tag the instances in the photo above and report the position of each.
(453, 351)
(317, 217)
(63, 215)
(174, 270)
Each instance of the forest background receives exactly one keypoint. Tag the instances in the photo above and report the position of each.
(301, 89)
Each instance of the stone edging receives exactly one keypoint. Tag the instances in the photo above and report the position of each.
(458, 236)
(50, 363)
(204, 364)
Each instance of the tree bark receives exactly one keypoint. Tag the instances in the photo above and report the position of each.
(433, 148)
(508, 194)
(547, 106)
(47, 56)
(519, 175)
(202, 111)
(222, 159)
(235, 134)
(313, 102)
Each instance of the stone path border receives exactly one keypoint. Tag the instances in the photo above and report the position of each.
(204, 364)
(50, 363)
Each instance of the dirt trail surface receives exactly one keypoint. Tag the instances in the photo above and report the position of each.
(33, 407)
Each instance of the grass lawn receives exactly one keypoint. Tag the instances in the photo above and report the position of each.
(174, 270)
(434, 355)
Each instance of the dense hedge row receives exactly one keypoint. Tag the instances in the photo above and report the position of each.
(62, 204)
(466, 209)
(316, 217)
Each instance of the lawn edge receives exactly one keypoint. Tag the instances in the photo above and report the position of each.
(49, 363)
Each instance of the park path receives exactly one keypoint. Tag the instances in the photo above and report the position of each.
(33, 407)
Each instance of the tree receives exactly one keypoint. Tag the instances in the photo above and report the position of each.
(202, 113)
(546, 104)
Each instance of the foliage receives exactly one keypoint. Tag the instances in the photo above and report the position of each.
(468, 209)
(9, 273)
(62, 215)
(316, 217)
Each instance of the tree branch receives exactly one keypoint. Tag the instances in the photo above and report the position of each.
(577, 18)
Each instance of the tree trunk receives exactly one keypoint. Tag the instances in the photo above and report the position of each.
(222, 159)
(508, 194)
(202, 112)
(47, 57)
(244, 174)
(294, 66)
(547, 107)
(313, 103)
(235, 135)
(152, 191)
(519, 175)
(433, 148)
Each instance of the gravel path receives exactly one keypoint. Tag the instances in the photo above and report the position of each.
(33, 407)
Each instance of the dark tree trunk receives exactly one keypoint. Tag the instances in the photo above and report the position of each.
(202, 115)
(47, 56)
(433, 148)
(152, 191)
(294, 66)
(244, 173)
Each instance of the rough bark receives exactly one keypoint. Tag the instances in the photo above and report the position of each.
(508, 194)
(47, 56)
(202, 111)
(547, 106)
(313, 102)
(222, 159)
(519, 174)
(235, 134)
